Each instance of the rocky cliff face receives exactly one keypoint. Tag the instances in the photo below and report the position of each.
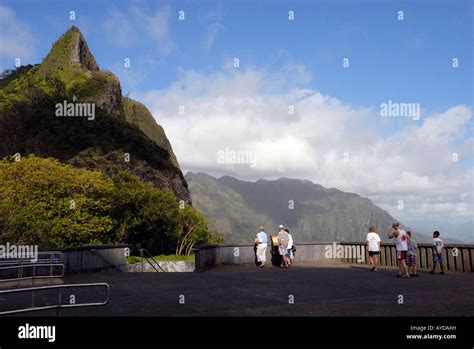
(80, 53)
(110, 97)
(114, 139)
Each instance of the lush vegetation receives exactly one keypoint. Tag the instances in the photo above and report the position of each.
(29, 125)
(137, 114)
(45, 202)
(90, 192)
(8, 75)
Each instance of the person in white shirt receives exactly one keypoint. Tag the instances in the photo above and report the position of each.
(438, 249)
(373, 246)
(283, 238)
(290, 247)
(261, 241)
(401, 245)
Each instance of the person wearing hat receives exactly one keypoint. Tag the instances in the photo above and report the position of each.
(373, 246)
(261, 243)
(283, 239)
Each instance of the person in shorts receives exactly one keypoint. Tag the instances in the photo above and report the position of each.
(411, 255)
(402, 247)
(290, 247)
(438, 249)
(373, 247)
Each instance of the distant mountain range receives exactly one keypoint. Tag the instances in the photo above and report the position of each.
(463, 232)
(122, 135)
(237, 208)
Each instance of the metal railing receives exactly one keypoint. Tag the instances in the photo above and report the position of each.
(457, 257)
(34, 276)
(147, 259)
(59, 305)
(50, 257)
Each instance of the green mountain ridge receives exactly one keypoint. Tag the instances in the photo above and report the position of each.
(237, 208)
(137, 114)
(122, 135)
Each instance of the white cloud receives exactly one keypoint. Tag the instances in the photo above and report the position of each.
(119, 29)
(16, 38)
(212, 30)
(248, 110)
(157, 26)
(212, 21)
(158, 23)
(128, 28)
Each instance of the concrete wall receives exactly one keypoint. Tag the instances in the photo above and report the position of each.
(205, 256)
(244, 254)
(94, 258)
(211, 255)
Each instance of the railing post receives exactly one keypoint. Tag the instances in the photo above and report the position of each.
(450, 258)
(458, 260)
(445, 260)
(19, 275)
(472, 258)
(59, 301)
(422, 259)
(33, 284)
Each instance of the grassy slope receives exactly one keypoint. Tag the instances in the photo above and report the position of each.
(57, 72)
(136, 113)
(138, 259)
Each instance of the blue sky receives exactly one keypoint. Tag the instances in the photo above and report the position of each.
(286, 62)
(409, 59)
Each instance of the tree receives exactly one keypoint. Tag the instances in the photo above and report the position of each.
(193, 229)
(146, 216)
(50, 204)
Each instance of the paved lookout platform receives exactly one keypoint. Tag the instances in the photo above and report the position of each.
(343, 290)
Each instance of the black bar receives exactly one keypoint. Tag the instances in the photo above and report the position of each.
(330, 332)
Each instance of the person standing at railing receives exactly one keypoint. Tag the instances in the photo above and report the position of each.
(290, 247)
(438, 249)
(402, 247)
(411, 255)
(261, 243)
(373, 246)
(283, 239)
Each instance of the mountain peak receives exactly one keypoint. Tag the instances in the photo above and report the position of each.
(71, 48)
